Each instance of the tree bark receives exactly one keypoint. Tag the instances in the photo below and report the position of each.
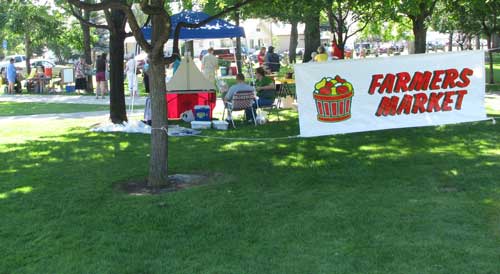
(27, 46)
(238, 43)
(420, 33)
(311, 35)
(490, 55)
(294, 41)
(117, 107)
(87, 49)
(158, 166)
(450, 41)
(189, 47)
(478, 42)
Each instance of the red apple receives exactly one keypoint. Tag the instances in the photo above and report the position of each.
(342, 90)
(324, 90)
(329, 84)
(339, 80)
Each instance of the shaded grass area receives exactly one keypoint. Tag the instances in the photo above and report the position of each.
(15, 108)
(418, 200)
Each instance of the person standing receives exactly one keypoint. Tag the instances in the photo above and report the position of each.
(261, 56)
(209, 65)
(130, 71)
(322, 56)
(145, 75)
(272, 60)
(80, 74)
(11, 76)
(100, 76)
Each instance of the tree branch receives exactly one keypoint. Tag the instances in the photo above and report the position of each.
(149, 9)
(105, 4)
(82, 20)
(136, 29)
(180, 25)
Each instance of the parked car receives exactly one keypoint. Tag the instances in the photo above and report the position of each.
(224, 53)
(56, 69)
(19, 61)
(435, 46)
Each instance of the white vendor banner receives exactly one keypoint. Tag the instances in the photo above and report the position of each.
(380, 93)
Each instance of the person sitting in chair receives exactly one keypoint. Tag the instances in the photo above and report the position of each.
(266, 90)
(239, 86)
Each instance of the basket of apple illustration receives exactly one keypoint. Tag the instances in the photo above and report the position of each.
(333, 98)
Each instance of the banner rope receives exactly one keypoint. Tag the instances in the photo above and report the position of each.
(164, 129)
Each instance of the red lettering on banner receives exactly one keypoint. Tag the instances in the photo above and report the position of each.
(388, 106)
(388, 83)
(460, 98)
(405, 104)
(436, 79)
(419, 102)
(450, 78)
(447, 101)
(375, 82)
(420, 81)
(402, 82)
(434, 102)
(464, 76)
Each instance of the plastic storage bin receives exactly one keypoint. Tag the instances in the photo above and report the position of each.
(220, 125)
(201, 124)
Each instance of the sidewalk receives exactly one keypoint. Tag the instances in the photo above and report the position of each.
(73, 99)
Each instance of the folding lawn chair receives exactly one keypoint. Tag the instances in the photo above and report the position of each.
(242, 100)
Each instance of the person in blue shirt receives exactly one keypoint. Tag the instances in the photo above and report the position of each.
(239, 86)
(11, 76)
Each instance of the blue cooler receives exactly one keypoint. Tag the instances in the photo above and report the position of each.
(202, 113)
(70, 88)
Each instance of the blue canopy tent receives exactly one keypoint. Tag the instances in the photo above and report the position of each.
(214, 29)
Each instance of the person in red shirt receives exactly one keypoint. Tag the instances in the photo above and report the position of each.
(261, 56)
(336, 52)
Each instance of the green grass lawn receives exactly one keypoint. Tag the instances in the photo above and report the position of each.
(417, 200)
(14, 108)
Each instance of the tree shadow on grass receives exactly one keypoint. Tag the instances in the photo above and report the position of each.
(376, 195)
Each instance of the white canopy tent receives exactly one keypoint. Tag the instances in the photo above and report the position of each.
(189, 79)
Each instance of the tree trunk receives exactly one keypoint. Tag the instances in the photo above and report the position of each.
(238, 43)
(294, 41)
(158, 166)
(86, 49)
(189, 47)
(311, 35)
(27, 46)
(478, 42)
(490, 55)
(117, 107)
(450, 41)
(420, 33)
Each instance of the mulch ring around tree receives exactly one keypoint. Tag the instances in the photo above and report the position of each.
(138, 187)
